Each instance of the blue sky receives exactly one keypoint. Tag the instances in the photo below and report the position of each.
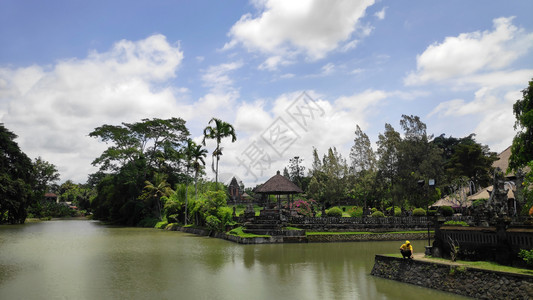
(67, 67)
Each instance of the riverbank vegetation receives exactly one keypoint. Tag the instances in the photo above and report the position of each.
(147, 174)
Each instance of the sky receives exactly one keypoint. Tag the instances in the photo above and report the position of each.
(288, 75)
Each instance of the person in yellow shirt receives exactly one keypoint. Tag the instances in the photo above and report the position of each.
(407, 250)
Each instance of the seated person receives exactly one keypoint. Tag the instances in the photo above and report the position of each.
(407, 250)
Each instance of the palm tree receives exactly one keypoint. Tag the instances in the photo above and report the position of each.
(195, 159)
(218, 132)
(158, 189)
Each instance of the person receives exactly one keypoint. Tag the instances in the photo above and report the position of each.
(407, 250)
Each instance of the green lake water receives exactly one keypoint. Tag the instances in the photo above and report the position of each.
(77, 259)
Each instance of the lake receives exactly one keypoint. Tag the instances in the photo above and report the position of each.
(79, 259)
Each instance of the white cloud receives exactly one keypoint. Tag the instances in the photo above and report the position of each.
(311, 27)
(493, 107)
(380, 14)
(54, 109)
(217, 76)
(332, 126)
(471, 53)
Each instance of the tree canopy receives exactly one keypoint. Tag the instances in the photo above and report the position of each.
(16, 179)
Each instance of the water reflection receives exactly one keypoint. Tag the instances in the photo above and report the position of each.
(85, 260)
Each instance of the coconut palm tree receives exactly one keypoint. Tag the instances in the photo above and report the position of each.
(217, 132)
(154, 191)
(195, 159)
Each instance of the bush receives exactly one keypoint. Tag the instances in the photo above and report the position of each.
(373, 210)
(356, 212)
(432, 212)
(161, 225)
(446, 211)
(148, 222)
(419, 212)
(377, 214)
(456, 223)
(479, 202)
(213, 223)
(397, 211)
(334, 212)
(527, 256)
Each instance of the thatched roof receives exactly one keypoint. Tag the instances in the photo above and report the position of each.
(452, 202)
(278, 185)
(485, 193)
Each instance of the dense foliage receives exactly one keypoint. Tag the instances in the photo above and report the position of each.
(16, 179)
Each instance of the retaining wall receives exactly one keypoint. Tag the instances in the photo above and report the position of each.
(319, 238)
(471, 282)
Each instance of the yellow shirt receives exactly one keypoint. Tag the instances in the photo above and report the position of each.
(407, 247)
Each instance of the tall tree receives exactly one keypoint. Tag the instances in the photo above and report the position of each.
(522, 147)
(16, 179)
(296, 170)
(388, 144)
(218, 131)
(154, 191)
(46, 175)
(195, 155)
(418, 160)
(362, 156)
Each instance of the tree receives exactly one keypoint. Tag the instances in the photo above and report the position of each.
(296, 170)
(388, 144)
(46, 175)
(217, 132)
(361, 154)
(154, 191)
(522, 147)
(195, 160)
(16, 179)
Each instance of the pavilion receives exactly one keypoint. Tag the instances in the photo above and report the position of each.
(279, 185)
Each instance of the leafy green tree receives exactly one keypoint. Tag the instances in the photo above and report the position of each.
(522, 147)
(46, 176)
(335, 170)
(153, 192)
(296, 171)
(388, 144)
(16, 179)
(418, 159)
(218, 131)
(362, 156)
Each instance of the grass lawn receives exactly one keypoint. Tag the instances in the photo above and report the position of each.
(485, 265)
(238, 232)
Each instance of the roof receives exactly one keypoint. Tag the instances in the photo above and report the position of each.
(279, 185)
(50, 195)
(452, 202)
(503, 163)
(485, 193)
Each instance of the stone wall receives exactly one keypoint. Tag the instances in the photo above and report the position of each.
(321, 238)
(471, 282)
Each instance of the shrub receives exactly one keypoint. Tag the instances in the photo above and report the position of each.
(334, 212)
(397, 211)
(161, 225)
(374, 210)
(456, 223)
(213, 223)
(148, 222)
(419, 212)
(479, 202)
(446, 211)
(356, 212)
(527, 256)
(432, 212)
(377, 214)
